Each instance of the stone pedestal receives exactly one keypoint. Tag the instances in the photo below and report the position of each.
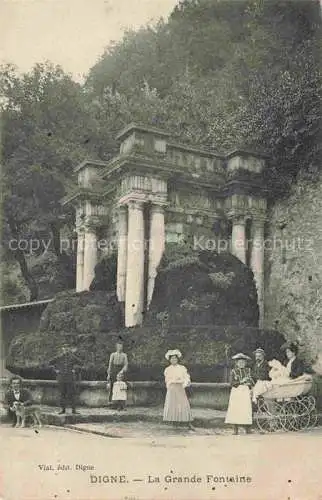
(156, 246)
(257, 263)
(134, 295)
(238, 238)
(122, 253)
(90, 257)
(80, 261)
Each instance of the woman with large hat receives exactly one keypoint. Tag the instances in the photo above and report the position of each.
(176, 407)
(239, 412)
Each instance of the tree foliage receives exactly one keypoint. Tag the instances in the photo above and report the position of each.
(44, 126)
(219, 74)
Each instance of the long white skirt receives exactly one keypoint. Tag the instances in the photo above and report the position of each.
(176, 405)
(239, 410)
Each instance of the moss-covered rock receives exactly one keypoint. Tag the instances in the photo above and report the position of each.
(204, 304)
(203, 288)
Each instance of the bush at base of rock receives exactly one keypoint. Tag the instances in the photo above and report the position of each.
(206, 351)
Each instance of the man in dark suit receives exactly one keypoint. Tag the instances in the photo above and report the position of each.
(66, 366)
(16, 393)
(261, 368)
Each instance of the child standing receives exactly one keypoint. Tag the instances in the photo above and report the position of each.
(119, 394)
(239, 411)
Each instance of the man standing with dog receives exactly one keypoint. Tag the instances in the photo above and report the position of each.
(16, 393)
(66, 365)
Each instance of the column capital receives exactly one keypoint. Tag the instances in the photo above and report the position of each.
(158, 207)
(133, 198)
(80, 229)
(238, 218)
(90, 226)
(122, 208)
(136, 204)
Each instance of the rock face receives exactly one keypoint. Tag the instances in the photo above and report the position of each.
(204, 304)
(293, 298)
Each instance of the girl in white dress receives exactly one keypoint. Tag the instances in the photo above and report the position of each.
(239, 412)
(119, 394)
(177, 379)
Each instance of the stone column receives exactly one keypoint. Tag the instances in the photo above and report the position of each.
(134, 295)
(238, 238)
(257, 263)
(156, 245)
(122, 253)
(90, 257)
(80, 260)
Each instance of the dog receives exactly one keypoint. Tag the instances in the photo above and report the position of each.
(22, 412)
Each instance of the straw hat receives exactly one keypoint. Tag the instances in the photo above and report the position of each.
(240, 355)
(173, 352)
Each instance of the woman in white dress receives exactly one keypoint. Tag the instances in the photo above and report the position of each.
(176, 407)
(239, 412)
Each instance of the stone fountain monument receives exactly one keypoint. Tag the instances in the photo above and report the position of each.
(159, 191)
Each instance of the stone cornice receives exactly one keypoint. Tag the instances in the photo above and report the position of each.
(195, 211)
(136, 127)
(82, 194)
(90, 163)
(246, 152)
(192, 149)
(144, 165)
(242, 187)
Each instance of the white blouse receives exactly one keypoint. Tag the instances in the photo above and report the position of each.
(177, 374)
(289, 366)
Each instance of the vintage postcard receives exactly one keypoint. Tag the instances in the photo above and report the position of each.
(161, 250)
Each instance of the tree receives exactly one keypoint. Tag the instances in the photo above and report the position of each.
(44, 127)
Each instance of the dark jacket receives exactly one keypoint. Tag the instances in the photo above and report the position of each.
(297, 368)
(241, 376)
(66, 366)
(261, 371)
(25, 397)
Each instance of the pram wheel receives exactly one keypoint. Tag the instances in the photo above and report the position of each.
(270, 416)
(297, 416)
(310, 403)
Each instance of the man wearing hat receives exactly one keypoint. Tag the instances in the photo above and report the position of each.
(261, 368)
(66, 365)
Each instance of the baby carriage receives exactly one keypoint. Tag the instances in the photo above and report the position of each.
(287, 407)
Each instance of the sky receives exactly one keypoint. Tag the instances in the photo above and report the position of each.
(71, 33)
